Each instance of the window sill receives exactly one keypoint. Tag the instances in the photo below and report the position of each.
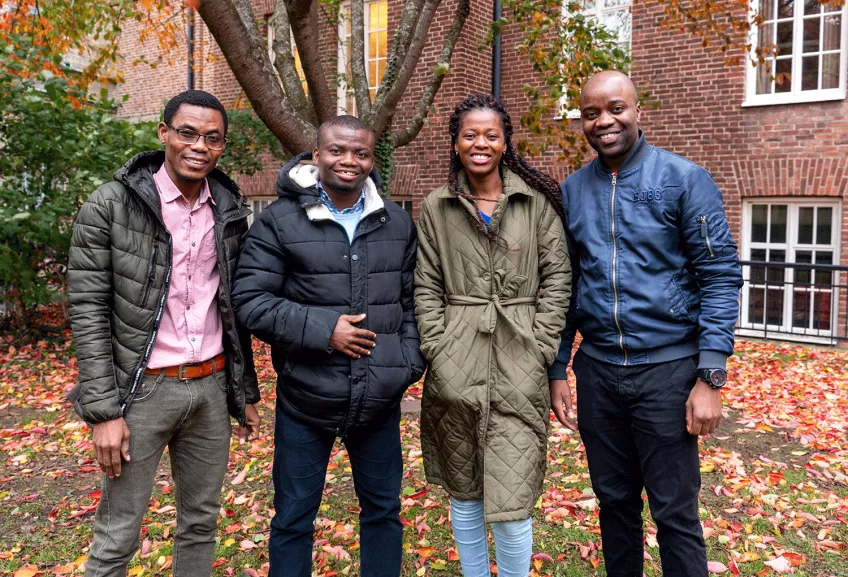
(782, 99)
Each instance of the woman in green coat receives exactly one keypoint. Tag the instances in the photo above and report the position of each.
(492, 287)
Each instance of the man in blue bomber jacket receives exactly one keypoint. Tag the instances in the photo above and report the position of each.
(657, 282)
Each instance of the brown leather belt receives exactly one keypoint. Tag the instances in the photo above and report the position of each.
(193, 371)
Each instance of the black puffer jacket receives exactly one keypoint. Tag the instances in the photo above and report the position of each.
(298, 273)
(118, 272)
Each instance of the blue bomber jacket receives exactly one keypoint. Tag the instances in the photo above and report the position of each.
(655, 270)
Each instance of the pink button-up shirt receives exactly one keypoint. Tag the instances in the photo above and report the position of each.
(191, 330)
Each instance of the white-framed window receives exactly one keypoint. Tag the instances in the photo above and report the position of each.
(258, 204)
(617, 17)
(796, 301)
(376, 51)
(405, 203)
(806, 44)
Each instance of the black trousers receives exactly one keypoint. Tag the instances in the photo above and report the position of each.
(632, 421)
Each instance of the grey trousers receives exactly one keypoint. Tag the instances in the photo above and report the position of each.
(191, 419)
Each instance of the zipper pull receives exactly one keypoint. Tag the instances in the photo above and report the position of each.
(705, 232)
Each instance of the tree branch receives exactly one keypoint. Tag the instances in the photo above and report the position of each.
(233, 25)
(357, 59)
(400, 45)
(392, 88)
(422, 108)
(303, 16)
(284, 61)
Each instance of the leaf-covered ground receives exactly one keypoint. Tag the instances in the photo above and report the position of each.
(774, 497)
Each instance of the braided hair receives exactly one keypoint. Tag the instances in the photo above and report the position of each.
(534, 178)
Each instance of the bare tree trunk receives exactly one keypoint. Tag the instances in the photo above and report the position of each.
(405, 135)
(233, 25)
(303, 15)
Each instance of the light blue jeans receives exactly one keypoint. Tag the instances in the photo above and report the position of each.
(513, 542)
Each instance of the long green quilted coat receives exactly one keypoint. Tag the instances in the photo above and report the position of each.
(490, 315)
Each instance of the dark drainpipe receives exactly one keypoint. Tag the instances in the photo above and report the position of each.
(190, 34)
(496, 53)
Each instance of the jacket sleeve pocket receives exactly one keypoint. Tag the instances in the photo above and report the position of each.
(715, 235)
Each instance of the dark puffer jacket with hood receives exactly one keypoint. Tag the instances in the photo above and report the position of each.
(298, 273)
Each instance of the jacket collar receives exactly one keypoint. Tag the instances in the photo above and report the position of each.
(137, 176)
(512, 184)
(638, 155)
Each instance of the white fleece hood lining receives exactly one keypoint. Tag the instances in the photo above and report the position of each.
(306, 176)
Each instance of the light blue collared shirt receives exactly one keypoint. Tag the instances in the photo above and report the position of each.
(348, 217)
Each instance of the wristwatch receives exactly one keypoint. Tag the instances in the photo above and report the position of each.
(716, 378)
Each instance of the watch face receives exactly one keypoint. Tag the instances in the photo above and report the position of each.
(718, 377)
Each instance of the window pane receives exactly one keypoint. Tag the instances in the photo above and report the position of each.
(764, 77)
(765, 36)
(833, 6)
(372, 73)
(812, 6)
(588, 5)
(381, 44)
(776, 275)
(767, 9)
(373, 16)
(372, 47)
(805, 225)
(801, 304)
(785, 8)
(812, 30)
(759, 221)
(802, 275)
(810, 73)
(618, 23)
(824, 277)
(756, 307)
(778, 224)
(823, 226)
(783, 75)
(832, 32)
(774, 307)
(384, 13)
(830, 70)
(758, 273)
(821, 311)
(784, 38)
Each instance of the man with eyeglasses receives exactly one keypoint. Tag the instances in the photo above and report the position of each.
(161, 360)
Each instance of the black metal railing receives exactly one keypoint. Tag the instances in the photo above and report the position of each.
(794, 301)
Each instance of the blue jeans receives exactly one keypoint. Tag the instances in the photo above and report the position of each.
(301, 454)
(513, 542)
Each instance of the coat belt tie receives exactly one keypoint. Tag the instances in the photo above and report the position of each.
(494, 305)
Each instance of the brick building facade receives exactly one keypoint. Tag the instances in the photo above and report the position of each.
(775, 140)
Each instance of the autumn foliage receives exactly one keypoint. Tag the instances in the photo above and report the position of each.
(774, 498)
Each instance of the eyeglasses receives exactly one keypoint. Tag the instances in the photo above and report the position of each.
(187, 136)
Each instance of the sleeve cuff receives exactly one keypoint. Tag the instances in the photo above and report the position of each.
(558, 370)
(712, 360)
(320, 326)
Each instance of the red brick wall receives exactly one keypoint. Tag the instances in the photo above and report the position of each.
(423, 164)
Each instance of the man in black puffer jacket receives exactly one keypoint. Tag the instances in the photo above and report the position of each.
(326, 279)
